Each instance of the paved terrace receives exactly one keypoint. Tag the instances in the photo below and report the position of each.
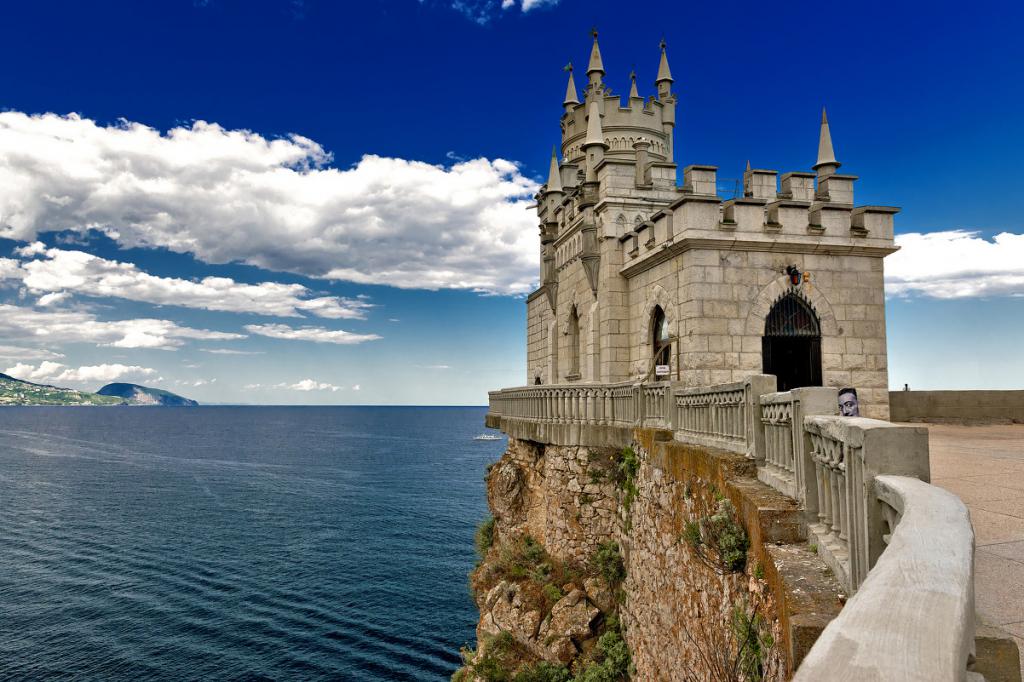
(984, 466)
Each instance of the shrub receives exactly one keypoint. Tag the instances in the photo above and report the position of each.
(628, 465)
(611, 655)
(543, 672)
(754, 641)
(719, 539)
(485, 536)
(552, 593)
(608, 562)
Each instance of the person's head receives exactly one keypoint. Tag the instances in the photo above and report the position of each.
(848, 404)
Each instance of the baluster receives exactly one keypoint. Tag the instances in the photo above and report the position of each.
(819, 477)
(836, 501)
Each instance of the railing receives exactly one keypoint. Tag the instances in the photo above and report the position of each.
(784, 459)
(845, 455)
(913, 617)
(720, 416)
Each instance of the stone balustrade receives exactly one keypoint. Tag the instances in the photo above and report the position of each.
(783, 465)
(901, 546)
(913, 616)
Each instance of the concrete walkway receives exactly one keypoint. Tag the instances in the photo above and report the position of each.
(984, 466)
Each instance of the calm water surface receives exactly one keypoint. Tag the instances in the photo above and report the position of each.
(238, 542)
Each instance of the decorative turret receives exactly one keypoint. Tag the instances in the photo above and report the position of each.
(554, 176)
(595, 69)
(571, 100)
(633, 93)
(594, 144)
(664, 80)
(827, 164)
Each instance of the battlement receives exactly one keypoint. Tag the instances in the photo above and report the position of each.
(622, 126)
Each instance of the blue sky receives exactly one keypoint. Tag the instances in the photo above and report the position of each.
(443, 113)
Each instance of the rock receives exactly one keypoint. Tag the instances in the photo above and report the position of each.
(505, 488)
(511, 613)
(572, 616)
(599, 593)
(562, 650)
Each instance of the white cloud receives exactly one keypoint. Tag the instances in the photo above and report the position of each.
(534, 4)
(315, 334)
(52, 298)
(956, 264)
(53, 327)
(230, 351)
(226, 196)
(20, 353)
(62, 271)
(55, 371)
(310, 385)
(355, 387)
(33, 249)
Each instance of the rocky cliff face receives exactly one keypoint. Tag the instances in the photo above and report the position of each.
(637, 564)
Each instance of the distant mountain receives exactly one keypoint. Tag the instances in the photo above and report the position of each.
(133, 394)
(17, 392)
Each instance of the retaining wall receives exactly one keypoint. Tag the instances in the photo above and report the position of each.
(957, 406)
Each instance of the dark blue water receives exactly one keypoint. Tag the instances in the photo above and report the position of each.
(238, 542)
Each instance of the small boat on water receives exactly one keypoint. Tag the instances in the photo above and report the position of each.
(486, 436)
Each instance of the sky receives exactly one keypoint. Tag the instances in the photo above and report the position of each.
(313, 202)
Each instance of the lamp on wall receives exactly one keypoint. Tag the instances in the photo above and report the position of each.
(795, 276)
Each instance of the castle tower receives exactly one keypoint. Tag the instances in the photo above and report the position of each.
(641, 268)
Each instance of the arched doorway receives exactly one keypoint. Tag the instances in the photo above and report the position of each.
(661, 340)
(791, 346)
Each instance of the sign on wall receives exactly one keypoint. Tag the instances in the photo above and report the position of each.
(662, 370)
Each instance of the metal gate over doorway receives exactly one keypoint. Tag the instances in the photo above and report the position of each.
(791, 346)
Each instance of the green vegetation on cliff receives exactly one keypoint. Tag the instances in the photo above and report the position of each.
(17, 392)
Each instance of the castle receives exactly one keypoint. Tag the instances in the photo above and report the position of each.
(643, 279)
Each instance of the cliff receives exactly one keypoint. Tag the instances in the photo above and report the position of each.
(133, 394)
(659, 561)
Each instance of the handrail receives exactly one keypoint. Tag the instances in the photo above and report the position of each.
(913, 616)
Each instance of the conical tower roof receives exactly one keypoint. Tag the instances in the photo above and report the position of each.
(826, 154)
(595, 56)
(664, 73)
(554, 177)
(632, 86)
(594, 133)
(570, 88)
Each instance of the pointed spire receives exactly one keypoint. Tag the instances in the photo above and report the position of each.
(664, 74)
(554, 177)
(826, 154)
(632, 87)
(570, 88)
(748, 165)
(595, 55)
(594, 133)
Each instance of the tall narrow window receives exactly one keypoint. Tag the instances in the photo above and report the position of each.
(574, 343)
(661, 341)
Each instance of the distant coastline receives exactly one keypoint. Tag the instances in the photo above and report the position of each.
(17, 392)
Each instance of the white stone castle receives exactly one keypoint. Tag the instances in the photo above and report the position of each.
(644, 279)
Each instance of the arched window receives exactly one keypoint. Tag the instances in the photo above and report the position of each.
(791, 347)
(661, 343)
(574, 343)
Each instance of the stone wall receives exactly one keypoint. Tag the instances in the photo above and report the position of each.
(684, 615)
(957, 406)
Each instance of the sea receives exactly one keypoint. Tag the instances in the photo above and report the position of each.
(238, 543)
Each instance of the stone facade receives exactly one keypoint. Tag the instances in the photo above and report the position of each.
(620, 237)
